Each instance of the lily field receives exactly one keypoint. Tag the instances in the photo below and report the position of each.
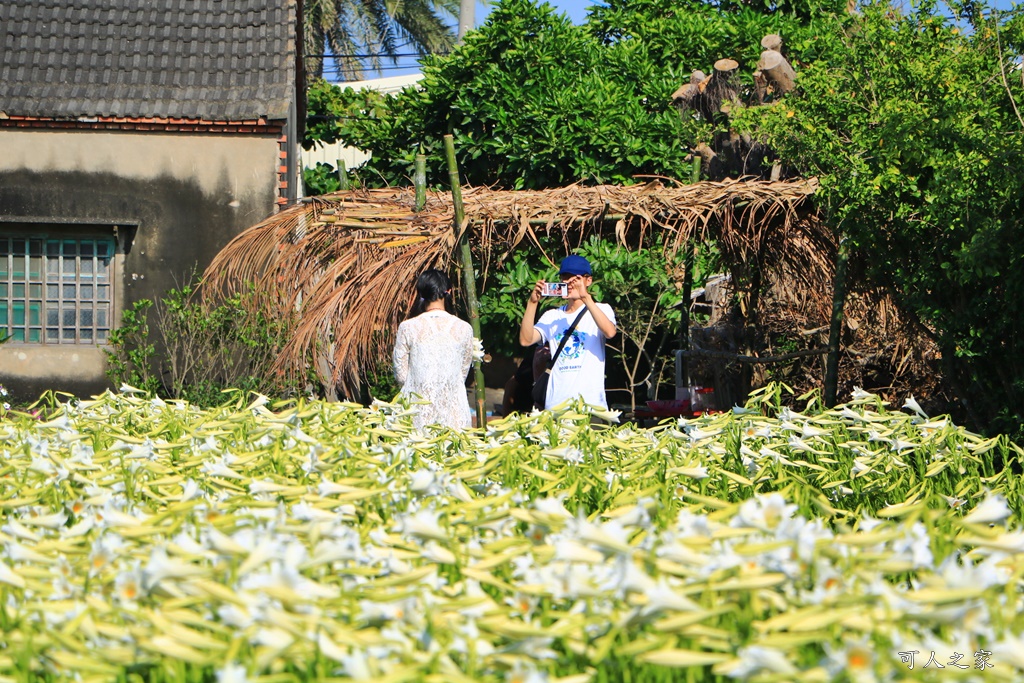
(146, 540)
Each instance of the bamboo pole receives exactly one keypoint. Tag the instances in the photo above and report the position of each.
(419, 179)
(342, 175)
(689, 263)
(683, 361)
(836, 326)
(468, 274)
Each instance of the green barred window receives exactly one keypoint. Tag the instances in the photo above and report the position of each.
(56, 291)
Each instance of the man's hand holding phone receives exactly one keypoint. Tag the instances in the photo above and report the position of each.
(559, 289)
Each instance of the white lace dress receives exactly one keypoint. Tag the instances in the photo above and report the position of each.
(433, 352)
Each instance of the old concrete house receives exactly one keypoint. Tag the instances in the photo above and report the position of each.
(136, 138)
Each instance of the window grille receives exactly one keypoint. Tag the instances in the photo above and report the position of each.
(56, 290)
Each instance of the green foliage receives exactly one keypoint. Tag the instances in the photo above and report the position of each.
(211, 348)
(532, 101)
(328, 107)
(911, 128)
(321, 179)
(693, 35)
(199, 350)
(381, 383)
(347, 29)
(639, 285)
(912, 125)
(132, 353)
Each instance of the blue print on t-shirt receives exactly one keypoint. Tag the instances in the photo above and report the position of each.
(574, 347)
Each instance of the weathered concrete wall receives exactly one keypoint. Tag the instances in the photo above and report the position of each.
(183, 195)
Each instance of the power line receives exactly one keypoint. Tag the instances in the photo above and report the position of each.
(381, 55)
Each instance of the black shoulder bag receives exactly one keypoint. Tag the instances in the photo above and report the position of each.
(540, 384)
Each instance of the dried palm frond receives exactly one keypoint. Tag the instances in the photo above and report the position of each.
(346, 263)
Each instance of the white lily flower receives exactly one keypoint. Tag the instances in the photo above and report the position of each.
(161, 566)
(275, 638)
(524, 671)
(232, 673)
(755, 659)
(129, 586)
(220, 468)
(662, 598)
(111, 516)
(357, 666)
(330, 649)
(190, 490)
(18, 553)
(551, 506)
(859, 394)
(433, 552)
(606, 414)
(991, 510)
(261, 553)
(478, 349)
(574, 551)
(953, 502)
(764, 512)
(424, 524)
(77, 530)
(900, 445)
(8, 576)
(424, 481)
(304, 512)
(55, 520)
(1010, 650)
(912, 404)
(698, 472)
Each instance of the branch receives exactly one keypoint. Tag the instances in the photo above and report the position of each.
(739, 358)
(1002, 75)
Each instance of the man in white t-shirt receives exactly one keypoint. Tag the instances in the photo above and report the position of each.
(579, 369)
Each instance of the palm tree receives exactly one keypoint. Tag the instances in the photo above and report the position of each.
(378, 29)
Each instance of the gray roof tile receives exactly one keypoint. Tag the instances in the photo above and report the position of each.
(144, 58)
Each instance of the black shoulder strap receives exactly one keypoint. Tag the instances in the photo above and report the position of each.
(565, 338)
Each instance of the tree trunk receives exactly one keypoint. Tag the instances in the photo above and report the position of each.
(467, 17)
(772, 41)
(760, 86)
(711, 166)
(719, 89)
(777, 70)
(684, 98)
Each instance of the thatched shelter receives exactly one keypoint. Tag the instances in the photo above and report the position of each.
(344, 265)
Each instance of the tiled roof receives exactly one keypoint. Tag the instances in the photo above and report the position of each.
(207, 59)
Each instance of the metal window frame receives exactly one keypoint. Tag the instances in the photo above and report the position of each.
(20, 241)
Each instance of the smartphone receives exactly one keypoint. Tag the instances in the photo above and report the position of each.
(555, 289)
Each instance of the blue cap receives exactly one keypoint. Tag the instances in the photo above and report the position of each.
(574, 265)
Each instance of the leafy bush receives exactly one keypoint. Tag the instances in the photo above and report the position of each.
(913, 129)
(199, 349)
(131, 355)
(320, 179)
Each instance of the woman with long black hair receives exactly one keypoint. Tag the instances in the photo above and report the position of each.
(433, 352)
